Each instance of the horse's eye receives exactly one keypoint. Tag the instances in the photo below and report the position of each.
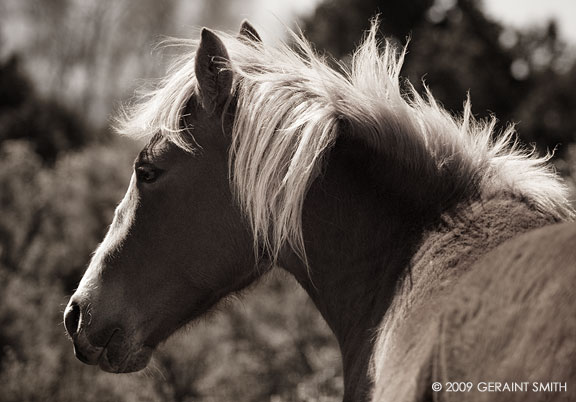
(147, 173)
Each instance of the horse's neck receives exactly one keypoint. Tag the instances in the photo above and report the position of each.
(365, 247)
(359, 240)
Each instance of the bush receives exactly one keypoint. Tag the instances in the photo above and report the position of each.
(273, 345)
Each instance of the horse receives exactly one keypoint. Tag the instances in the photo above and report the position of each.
(438, 249)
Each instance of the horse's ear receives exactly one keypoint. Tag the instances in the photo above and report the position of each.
(213, 71)
(247, 31)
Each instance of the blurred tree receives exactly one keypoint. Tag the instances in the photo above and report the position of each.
(519, 76)
(337, 25)
(50, 127)
(546, 114)
(87, 53)
(457, 50)
(13, 86)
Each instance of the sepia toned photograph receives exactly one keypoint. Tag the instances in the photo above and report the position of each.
(287, 201)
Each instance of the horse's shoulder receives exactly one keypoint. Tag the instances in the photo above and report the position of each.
(501, 313)
(521, 273)
(543, 241)
(536, 257)
(512, 311)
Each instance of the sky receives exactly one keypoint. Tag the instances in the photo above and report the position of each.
(523, 13)
(270, 15)
(518, 13)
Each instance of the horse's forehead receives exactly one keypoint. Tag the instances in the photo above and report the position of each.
(157, 147)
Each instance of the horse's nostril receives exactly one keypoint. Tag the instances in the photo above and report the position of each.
(72, 318)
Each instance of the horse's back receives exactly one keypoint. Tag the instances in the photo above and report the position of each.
(510, 320)
(513, 320)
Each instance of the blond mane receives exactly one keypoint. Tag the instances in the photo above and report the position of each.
(291, 105)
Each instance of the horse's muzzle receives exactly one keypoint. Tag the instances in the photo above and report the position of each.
(107, 347)
(75, 322)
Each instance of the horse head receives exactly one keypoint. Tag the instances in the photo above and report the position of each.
(178, 242)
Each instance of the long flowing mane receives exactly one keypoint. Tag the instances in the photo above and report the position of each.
(291, 105)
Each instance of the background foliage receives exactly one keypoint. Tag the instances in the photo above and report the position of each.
(62, 173)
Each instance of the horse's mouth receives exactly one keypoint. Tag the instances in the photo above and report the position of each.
(127, 363)
(121, 356)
